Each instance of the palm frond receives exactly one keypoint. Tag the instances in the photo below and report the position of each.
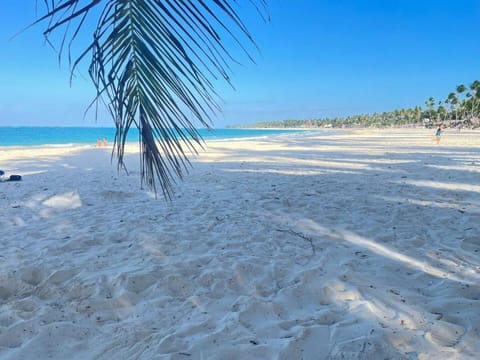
(153, 63)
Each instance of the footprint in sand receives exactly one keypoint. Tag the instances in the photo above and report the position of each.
(471, 292)
(364, 347)
(13, 287)
(7, 319)
(178, 286)
(139, 283)
(310, 343)
(18, 333)
(62, 276)
(25, 309)
(32, 276)
(327, 317)
(52, 285)
(471, 243)
(259, 312)
(5, 292)
(445, 334)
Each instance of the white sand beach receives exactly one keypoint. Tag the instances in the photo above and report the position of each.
(361, 244)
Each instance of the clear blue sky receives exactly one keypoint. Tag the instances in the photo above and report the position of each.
(319, 58)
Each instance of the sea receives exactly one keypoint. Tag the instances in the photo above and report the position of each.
(61, 136)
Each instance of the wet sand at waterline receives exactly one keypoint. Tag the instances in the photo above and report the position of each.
(357, 244)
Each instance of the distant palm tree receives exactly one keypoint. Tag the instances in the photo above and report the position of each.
(442, 113)
(475, 88)
(152, 63)
(460, 90)
(469, 105)
(430, 103)
(452, 99)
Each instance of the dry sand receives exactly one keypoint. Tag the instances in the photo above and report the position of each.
(351, 245)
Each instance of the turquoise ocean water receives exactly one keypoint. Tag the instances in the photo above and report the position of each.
(34, 136)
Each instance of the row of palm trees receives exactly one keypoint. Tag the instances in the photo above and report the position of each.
(459, 108)
(463, 104)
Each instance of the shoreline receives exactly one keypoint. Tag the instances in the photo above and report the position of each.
(326, 131)
(89, 136)
(361, 244)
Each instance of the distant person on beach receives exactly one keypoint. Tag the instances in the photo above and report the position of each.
(105, 142)
(438, 134)
(99, 142)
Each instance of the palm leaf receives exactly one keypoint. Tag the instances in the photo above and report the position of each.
(153, 63)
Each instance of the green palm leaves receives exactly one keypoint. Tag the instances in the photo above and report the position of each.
(153, 63)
